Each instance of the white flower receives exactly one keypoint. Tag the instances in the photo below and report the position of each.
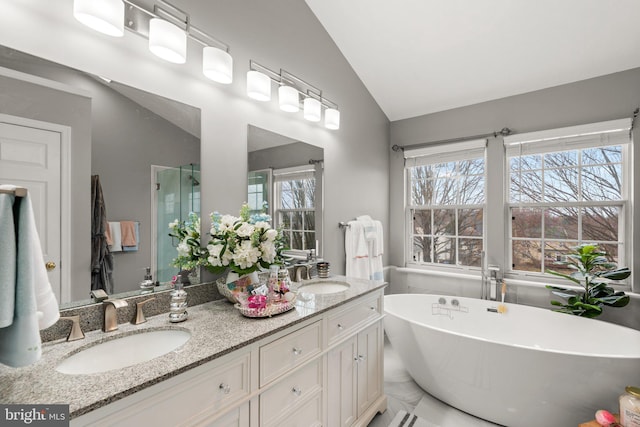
(246, 255)
(173, 224)
(263, 225)
(183, 249)
(245, 230)
(271, 234)
(268, 250)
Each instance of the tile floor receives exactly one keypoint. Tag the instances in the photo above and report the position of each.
(403, 394)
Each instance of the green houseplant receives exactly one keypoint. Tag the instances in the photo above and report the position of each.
(593, 272)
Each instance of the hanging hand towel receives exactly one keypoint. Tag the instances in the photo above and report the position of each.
(116, 236)
(356, 250)
(134, 247)
(35, 305)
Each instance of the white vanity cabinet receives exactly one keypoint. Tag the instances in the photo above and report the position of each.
(355, 369)
(323, 371)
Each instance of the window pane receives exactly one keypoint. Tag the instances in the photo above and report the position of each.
(444, 250)
(286, 200)
(296, 223)
(472, 167)
(444, 221)
(422, 249)
(421, 192)
(470, 252)
(309, 220)
(444, 191)
(526, 222)
(561, 223)
(309, 240)
(602, 155)
(612, 252)
(443, 170)
(296, 240)
(471, 189)
(285, 219)
(600, 223)
(420, 173)
(561, 185)
(526, 187)
(561, 159)
(602, 182)
(470, 222)
(530, 162)
(555, 256)
(422, 222)
(526, 255)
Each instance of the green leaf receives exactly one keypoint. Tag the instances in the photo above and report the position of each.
(555, 273)
(618, 274)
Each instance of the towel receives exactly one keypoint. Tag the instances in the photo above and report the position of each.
(136, 234)
(116, 236)
(128, 233)
(357, 251)
(7, 260)
(35, 305)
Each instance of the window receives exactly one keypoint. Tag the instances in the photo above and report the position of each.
(258, 191)
(295, 206)
(445, 210)
(567, 187)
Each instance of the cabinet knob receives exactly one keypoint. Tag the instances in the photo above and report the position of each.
(340, 326)
(297, 351)
(50, 265)
(225, 388)
(296, 391)
(361, 358)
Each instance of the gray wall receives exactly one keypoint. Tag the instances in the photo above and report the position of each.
(603, 98)
(284, 156)
(278, 34)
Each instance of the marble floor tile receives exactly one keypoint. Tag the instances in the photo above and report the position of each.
(403, 394)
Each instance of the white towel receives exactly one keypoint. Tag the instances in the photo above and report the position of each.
(357, 251)
(35, 305)
(375, 245)
(116, 236)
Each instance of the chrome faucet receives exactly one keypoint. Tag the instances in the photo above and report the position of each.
(111, 313)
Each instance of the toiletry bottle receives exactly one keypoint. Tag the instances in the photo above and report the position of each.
(273, 284)
(630, 407)
(147, 284)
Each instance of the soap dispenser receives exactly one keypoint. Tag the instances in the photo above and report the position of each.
(147, 284)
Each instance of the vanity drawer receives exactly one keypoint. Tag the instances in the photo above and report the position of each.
(343, 323)
(290, 392)
(284, 354)
(308, 414)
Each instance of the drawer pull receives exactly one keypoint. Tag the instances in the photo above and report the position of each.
(225, 388)
(297, 351)
(361, 358)
(340, 327)
(372, 308)
(296, 391)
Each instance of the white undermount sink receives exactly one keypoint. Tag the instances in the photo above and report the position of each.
(123, 351)
(323, 287)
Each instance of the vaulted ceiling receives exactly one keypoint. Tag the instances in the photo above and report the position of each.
(422, 56)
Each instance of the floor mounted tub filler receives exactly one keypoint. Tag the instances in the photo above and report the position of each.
(523, 367)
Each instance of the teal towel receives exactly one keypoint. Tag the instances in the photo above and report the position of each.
(35, 305)
(7, 260)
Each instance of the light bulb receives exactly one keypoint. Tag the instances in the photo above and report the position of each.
(332, 118)
(258, 86)
(167, 41)
(288, 99)
(312, 109)
(217, 65)
(105, 16)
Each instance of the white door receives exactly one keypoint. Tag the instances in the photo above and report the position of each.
(30, 157)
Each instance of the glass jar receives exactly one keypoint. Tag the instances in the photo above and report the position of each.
(630, 407)
(284, 281)
(273, 284)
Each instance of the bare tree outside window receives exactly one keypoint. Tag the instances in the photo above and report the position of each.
(447, 205)
(561, 199)
(296, 212)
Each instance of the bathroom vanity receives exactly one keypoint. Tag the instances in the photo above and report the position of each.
(320, 364)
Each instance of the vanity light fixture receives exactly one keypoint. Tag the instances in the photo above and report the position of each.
(288, 99)
(104, 16)
(167, 28)
(290, 88)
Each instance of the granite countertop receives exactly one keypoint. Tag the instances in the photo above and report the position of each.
(216, 328)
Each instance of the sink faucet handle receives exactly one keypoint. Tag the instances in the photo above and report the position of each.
(76, 331)
(140, 313)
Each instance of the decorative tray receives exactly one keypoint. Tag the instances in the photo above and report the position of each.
(269, 310)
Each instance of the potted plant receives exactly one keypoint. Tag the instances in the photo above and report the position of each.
(593, 272)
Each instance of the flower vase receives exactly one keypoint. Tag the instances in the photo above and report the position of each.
(235, 284)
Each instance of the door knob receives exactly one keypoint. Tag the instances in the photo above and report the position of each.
(50, 265)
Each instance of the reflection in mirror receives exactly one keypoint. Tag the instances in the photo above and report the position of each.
(285, 177)
(144, 148)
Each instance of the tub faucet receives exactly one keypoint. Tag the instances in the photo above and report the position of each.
(111, 313)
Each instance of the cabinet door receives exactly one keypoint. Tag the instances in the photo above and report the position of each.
(342, 384)
(369, 365)
(238, 417)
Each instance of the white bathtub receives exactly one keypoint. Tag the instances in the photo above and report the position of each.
(526, 367)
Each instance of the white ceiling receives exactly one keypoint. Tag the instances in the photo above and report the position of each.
(422, 56)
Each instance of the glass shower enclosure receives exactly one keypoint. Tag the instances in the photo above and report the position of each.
(177, 194)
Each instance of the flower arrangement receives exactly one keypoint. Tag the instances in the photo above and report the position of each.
(190, 254)
(243, 244)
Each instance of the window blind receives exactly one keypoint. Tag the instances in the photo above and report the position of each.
(442, 153)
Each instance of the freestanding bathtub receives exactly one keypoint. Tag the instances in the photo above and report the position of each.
(528, 367)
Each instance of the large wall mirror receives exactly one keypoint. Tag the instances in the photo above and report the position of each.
(286, 180)
(144, 148)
